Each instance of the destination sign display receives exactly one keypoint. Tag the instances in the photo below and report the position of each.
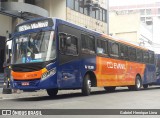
(34, 25)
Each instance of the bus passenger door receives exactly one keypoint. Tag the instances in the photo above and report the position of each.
(68, 75)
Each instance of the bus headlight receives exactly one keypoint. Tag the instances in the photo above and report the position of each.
(48, 73)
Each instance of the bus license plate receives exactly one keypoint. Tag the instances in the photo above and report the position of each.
(25, 83)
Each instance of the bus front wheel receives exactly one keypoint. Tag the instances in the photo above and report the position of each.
(52, 92)
(86, 89)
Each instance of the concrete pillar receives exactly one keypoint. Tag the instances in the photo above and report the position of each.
(56, 8)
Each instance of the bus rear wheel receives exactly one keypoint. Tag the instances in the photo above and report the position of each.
(137, 85)
(86, 89)
(52, 92)
(110, 89)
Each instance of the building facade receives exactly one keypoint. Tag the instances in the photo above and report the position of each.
(91, 14)
(147, 14)
(147, 11)
(124, 26)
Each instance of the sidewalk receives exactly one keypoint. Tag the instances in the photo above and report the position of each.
(21, 94)
(39, 93)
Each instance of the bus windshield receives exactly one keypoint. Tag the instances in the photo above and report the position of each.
(34, 47)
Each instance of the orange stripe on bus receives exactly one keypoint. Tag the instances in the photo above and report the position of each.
(114, 72)
(28, 75)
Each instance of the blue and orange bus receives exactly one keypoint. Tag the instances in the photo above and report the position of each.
(52, 54)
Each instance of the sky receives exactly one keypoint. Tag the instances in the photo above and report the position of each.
(130, 2)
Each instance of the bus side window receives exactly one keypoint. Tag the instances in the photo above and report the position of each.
(114, 49)
(88, 43)
(68, 44)
(123, 51)
(72, 45)
(146, 57)
(62, 39)
(151, 57)
(102, 47)
(139, 56)
(132, 54)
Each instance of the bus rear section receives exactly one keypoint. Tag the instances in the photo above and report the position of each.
(132, 71)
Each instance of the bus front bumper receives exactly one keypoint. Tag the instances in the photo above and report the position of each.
(38, 84)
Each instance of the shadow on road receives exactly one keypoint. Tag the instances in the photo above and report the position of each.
(74, 95)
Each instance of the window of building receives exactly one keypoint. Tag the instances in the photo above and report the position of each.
(114, 49)
(76, 3)
(102, 47)
(139, 56)
(104, 15)
(146, 57)
(81, 9)
(124, 52)
(68, 44)
(70, 4)
(94, 14)
(132, 54)
(97, 14)
(88, 43)
(86, 11)
(143, 19)
(148, 18)
(142, 11)
(151, 57)
(101, 14)
(148, 11)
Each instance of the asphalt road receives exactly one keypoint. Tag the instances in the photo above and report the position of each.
(122, 98)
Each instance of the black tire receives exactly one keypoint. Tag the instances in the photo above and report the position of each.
(86, 88)
(52, 92)
(145, 86)
(138, 84)
(110, 89)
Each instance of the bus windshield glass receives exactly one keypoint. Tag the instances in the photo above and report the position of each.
(34, 47)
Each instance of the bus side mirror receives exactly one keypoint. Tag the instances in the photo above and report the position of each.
(68, 41)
